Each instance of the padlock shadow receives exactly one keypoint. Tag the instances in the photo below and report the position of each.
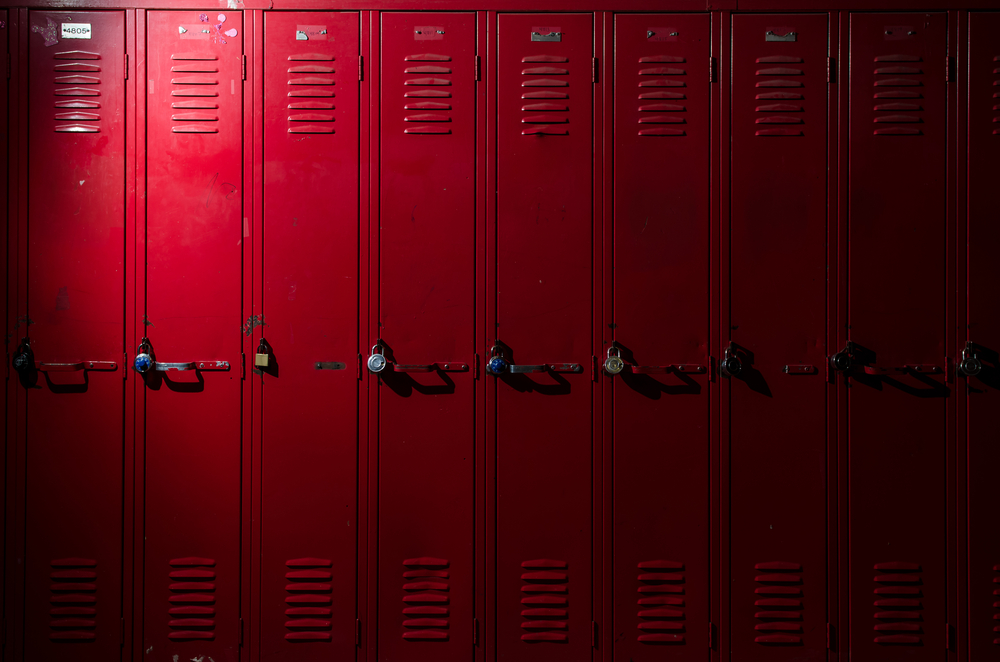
(523, 384)
(750, 375)
(651, 387)
(989, 376)
(404, 385)
(157, 379)
(272, 368)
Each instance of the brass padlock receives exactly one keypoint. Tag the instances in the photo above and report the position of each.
(261, 358)
(614, 364)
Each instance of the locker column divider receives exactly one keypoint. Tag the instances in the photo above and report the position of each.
(489, 305)
(483, 43)
(132, 217)
(135, 323)
(8, 212)
(721, 288)
(602, 31)
(367, 195)
(370, 331)
(720, 20)
(950, 331)
(253, 384)
(832, 339)
(604, 335)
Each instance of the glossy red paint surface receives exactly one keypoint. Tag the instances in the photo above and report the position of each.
(425, 302)
(661, 299)
(544, 312)
(984, 331)
(76, 196)
(309, 456)
(195, 231)
(778, 328)
(897, 317)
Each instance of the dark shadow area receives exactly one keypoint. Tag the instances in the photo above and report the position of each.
(650, 386)
(749, 375)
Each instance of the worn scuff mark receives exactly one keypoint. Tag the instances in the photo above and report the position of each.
(413, 214)
(23, 319)
(62, 299)
(644, 224)
(149, 650)
(146, 322)
(252, 323)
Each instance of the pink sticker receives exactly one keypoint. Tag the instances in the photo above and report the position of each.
(310, 33)
(661, 34)
(428, 32)
(898, 32)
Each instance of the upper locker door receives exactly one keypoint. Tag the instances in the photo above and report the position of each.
(72, 370)
(896, 308)
(661, 298)
(426, 306)
(544, 428)
(309, 463)
(983, 388)
(194, 237)
(777, 402)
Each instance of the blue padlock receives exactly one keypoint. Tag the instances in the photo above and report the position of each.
(497, 364)
(144, 360)
(22, 360)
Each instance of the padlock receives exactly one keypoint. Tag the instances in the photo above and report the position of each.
(497, 364)
(144, 360)
(261, 358)
(22, 359)
(843, 360)
(730, 366)
(970, 365)
(614, 364)
(377, 362)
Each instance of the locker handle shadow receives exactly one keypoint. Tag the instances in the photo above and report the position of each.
(865, 356)
(156, 380)
(30, 381)
(989, 376)
(404, 384)
(521, 383)
(651, 387)
(750, 375)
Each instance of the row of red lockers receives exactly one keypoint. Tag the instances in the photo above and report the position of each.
(264, 221)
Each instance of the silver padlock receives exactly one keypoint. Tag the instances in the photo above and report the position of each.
(377, 362)
(614, 364)
(970, 365)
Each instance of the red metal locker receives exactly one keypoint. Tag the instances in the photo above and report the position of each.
(777, 400)
(660, 321)
(426, 309)
(984, 335)
(896, 307)
(309, 458)
(544, 410)
(194, 235)
(70, 355)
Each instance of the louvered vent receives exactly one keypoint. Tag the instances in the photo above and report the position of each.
(780, 96)
(77, 92)
(898, 607)
(307, 605)
(546, 108)
(431, 83)
(544, 608)
(996, 118)
(779, 603)
(192, 599)
(310, 92)
(425, 594)
(898, 93)
(661, 602)
(996, 601)
(194, 80)
(74, 600)
(659, 98)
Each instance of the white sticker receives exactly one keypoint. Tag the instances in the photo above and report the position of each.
(76, 31)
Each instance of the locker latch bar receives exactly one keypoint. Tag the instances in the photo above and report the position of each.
(799, 369)
(73, 367)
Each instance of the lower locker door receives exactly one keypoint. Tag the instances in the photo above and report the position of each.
(661, 298)
(778, 294)
(544, 410)
(307, 360)
(194, 246)
(72, 371)
(426, 310)
(898, 392)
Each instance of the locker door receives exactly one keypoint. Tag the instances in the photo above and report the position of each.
(662, 132)
(74, 336)
(426, 311)
(777, 402)
(310, 385)
(194, 236)
(544, 315)
(983, 389)
(896, 310)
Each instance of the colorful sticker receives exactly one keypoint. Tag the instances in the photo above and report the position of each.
(48, 32)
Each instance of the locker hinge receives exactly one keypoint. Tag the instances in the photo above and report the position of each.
(475, 632)
(593, 634)
(359, 368)
(478, 72)
(831, 73)
(594, 71)
(244, 67)
(8, 366)
(241, 632)
(593, 368)
(243, 365)
(947, 636)
(126, 66)
(711, 68)
(829, 636)
(357, 632)
(475, 366)
(361, 67)
(947, 68)
(124, 365)
(949, 370)
(121, 634)
(8, 66)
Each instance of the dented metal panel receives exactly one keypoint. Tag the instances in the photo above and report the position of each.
(661, 405)
(76, 247)
(777, 402)
(544, 429)
(194, 233)
(309, 461)
(426, 312)
(897, 385)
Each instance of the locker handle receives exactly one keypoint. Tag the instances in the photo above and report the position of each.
(444, 366)
(909, 367)
(686, 368)
(799, 369)
(192, 365)
(546, 367)
(72, 367)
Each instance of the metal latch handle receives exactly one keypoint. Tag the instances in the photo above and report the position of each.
(42, 366)
(191, 365)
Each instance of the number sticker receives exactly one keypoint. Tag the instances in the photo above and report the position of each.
(76, 30)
